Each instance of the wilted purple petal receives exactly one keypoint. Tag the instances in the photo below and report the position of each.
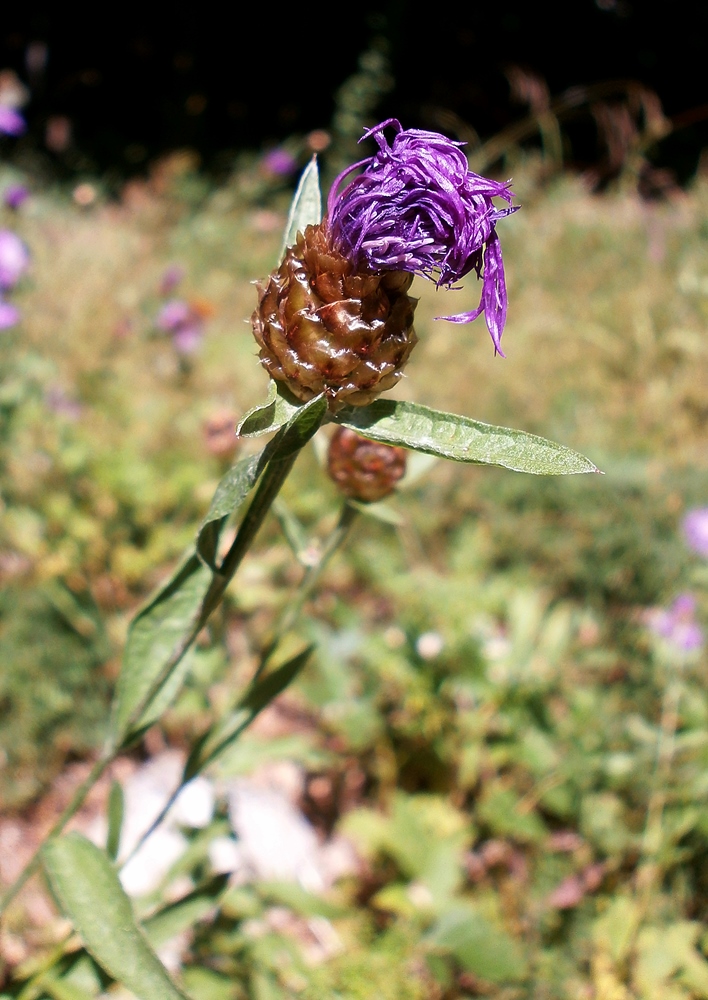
(695, 530)
(11, 121)
(15, 195)
(418, 207)
(9, 315)
(14, 259)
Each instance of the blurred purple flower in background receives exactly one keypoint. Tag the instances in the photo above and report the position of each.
(279, 162)
(15, 196)
(418, 207)
(184, 323)
(695, 530)
(677, 624)
(9, 315)
(14, 259)
(59, 402)
(11, 121)
(171, 278)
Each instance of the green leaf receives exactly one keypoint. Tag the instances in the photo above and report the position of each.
(306, 209)
(477, 945)
(279, 407)
(184, 913)
(300, 427)
(115, 819)
(155, 635)
(231, 492)
(257, 697)
(90, 893)
(461, 439)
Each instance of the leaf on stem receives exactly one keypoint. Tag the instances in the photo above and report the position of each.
(115, 819)
(306, 208)
(461, 439)
(155, 635)
(90, 893)
(258, 696)
(230, 494)
(279, 407)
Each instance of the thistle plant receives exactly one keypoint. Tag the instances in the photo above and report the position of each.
(334, 326)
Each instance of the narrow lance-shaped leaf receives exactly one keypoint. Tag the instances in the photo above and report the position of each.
(230, 494)
(90, 893)
(115, 819)
(257, 697)
(306, 208)
(155, 634)
(461, 439)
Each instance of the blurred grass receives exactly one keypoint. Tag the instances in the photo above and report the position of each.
(537, 714)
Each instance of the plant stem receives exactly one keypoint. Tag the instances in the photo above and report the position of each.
(289, 618)
(273, 478)
(666, 745)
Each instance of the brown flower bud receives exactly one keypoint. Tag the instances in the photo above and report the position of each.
(324, 326)
(364, 470)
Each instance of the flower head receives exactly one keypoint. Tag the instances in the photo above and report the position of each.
(417, 207)
(695, 530)
(11, 121)
(677, 625)
(9, 315)
(15, 195)
(14, 259)
(184, 323)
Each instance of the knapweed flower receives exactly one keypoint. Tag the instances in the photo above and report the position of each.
(184, 323)
(14, 259)
(15, 196)
(364, 470)
(677, 625)
(336, 316)
(9, 315)
(695, 530)
(11, 121)
(418, 207)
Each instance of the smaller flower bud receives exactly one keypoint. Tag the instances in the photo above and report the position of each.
(364, 470)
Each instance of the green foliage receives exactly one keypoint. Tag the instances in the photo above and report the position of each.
(91, 895)
(447, 435)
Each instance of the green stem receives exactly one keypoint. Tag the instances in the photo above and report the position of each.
(666, 747)
(73, 807)
(308, 583)
(273, 478)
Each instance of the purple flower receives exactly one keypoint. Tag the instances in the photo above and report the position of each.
(677, 624)
(11, 121)
(184, 323)
(15, 195)
(279, 162)
(695, 530)
(171, 278)
(14, 259)
(9, 315)
(418, 207)
(59, 402)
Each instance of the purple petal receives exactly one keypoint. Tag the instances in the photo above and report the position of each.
(14, 259)
(417, 207)
(173, 314)
(9, 315)
(695, 530)
(11, 121)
